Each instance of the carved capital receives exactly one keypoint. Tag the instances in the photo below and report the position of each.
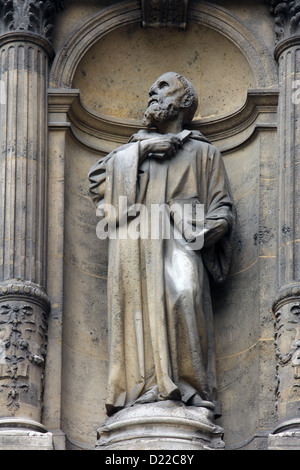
(287, 17)
(29, 16)
(162, 13)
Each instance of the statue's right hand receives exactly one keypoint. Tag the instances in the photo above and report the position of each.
(160, 147)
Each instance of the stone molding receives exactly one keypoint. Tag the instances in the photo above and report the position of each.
(288, 43)
(68, 57)
(286, 440)
(287, 294)
(212, 16)
(291, 425)
(165, 425)
(232, 130)
(163, 13)
(24, 434)
(21, 424)
(20, 37)
(94, 130)
(226, 23)
(29, 16)
(24, 291)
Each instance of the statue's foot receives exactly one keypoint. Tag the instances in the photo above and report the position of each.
(196, 400)
(148, 397)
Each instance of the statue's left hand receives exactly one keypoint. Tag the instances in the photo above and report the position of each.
(214, 230)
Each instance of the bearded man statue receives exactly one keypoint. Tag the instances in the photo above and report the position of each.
(161, 334)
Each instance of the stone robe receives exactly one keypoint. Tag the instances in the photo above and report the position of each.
(161, 335)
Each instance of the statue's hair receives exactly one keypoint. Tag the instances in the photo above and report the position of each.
(191, 97)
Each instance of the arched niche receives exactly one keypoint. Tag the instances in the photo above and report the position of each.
(114, 76)
(125, 13)
(87, 62)
(112, 61)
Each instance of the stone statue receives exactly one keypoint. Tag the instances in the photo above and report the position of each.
(161, 340)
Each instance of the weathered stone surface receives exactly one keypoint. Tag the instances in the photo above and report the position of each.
(243, 322)
(24, 434)
(29, 16)
(289, 440)
(226, 49)
(166, 425)
(25, 440)
(286, 16)
(167, 13)
(153, 50)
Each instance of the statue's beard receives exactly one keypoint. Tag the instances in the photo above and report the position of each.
(157, 113)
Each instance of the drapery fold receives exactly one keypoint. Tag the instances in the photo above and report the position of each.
(159, 306)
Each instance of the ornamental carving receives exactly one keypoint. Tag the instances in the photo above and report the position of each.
(162, 13)
(23, 340)
(287, 344)
(287, 17)
(31, 16)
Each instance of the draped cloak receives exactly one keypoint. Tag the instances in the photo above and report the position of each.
(161, 338)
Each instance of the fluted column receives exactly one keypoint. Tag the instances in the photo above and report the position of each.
(23, 68)
(286, 306)
(25, 28)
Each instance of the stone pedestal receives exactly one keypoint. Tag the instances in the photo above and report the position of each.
(167, 425)
(286, 436)
(23, 434)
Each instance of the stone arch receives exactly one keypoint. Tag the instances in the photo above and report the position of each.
(213, 16)
(227, 24)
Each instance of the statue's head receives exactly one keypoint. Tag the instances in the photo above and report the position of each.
(171, 97)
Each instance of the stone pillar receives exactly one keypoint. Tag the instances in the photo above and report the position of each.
(25, 27)
(286, 306)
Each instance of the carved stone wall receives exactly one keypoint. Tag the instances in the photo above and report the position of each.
(243, 58)
(23, 327)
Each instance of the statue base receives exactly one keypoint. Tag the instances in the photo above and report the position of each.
(165, 425)
(286, 436)
(23, 434)
(288, 440)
